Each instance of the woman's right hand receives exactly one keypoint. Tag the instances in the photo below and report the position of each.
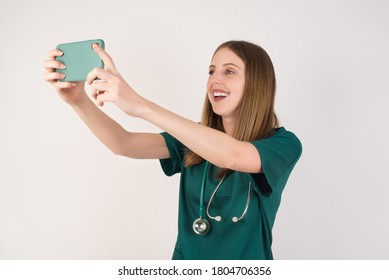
(70, 92)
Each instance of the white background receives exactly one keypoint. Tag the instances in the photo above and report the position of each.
(63, 195)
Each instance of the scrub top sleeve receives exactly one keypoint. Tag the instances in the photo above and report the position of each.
(174, 164)
(279, 154)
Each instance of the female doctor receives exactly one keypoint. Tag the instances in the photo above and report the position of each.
(234, 164)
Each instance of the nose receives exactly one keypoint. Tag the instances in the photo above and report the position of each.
(214, 79)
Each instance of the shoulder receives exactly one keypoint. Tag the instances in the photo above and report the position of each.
(279, 153)
(177, 150)
(281, 135)
(282, 142)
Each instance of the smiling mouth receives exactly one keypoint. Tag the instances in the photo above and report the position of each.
(219, 95)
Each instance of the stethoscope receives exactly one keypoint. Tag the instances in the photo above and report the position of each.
(201, 225)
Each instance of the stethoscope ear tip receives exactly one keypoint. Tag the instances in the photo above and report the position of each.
(202, 226)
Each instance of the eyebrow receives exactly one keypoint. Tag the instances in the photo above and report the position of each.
(226, 64)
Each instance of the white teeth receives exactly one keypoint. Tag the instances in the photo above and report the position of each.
(218, 94)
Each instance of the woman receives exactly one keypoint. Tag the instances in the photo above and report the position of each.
(234, 164)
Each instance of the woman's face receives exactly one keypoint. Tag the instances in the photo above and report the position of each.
(226, 82)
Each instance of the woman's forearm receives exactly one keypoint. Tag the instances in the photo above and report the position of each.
(215, 146)
(109, 132)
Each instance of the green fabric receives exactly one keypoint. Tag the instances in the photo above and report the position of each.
(251, 237)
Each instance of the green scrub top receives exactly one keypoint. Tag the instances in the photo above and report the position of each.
(249, 238)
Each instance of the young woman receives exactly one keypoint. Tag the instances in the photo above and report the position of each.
(234, 164)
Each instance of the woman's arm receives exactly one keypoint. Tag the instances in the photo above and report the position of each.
(116, 138)
(217, 147)
(109, 132)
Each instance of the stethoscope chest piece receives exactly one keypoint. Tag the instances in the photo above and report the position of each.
(201, 226)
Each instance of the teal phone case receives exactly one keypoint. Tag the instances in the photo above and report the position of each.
(80, 59)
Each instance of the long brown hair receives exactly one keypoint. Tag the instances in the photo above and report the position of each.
(256, 118)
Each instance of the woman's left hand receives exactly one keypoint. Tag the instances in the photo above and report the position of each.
(111, 87)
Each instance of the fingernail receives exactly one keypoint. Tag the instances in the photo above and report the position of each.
(63, 66)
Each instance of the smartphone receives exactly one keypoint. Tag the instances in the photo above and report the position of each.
(80, 59)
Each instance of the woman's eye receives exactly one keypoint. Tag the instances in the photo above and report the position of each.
(227, 72)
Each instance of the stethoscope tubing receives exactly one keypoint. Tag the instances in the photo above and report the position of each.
(201, 225)
(202, 190)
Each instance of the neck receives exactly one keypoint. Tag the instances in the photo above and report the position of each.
(229, 125)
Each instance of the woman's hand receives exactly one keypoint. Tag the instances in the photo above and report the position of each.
(70, 92)
(111, 87)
